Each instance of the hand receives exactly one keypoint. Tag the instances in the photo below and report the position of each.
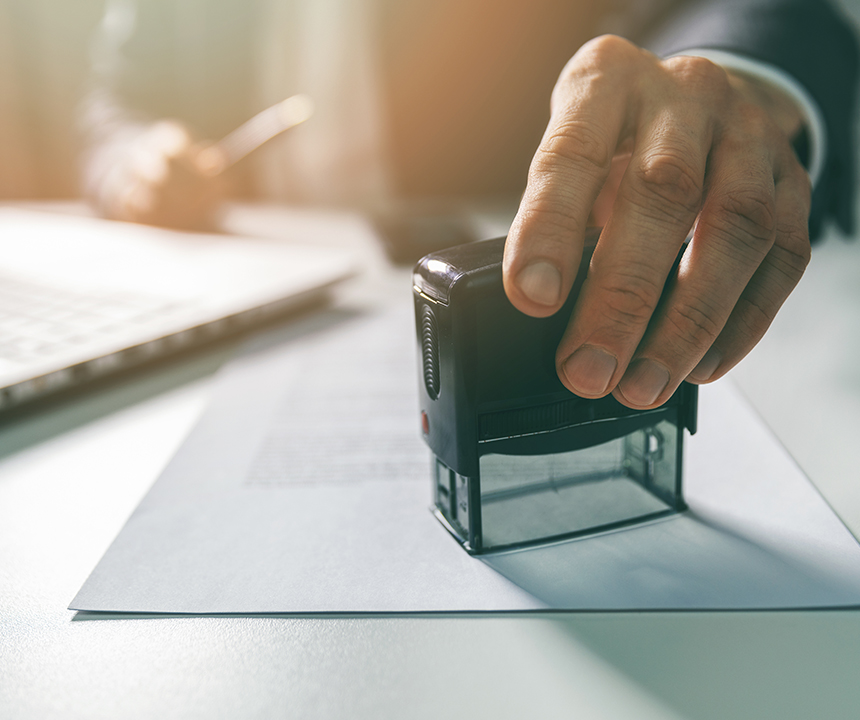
(649, 148)
(163, 178)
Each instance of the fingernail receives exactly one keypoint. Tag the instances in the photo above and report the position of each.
(540, 282)
(589, 370)
(643, 382)
(707, 367)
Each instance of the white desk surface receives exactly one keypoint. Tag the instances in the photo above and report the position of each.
(72, 471)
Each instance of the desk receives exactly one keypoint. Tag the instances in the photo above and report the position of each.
(71, 473)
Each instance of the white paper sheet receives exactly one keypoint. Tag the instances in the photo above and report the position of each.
(305, 488)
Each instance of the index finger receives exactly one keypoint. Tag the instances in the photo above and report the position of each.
(544, 245)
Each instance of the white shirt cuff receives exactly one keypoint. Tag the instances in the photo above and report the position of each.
(776, 76)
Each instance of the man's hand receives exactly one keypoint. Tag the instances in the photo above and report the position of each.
(650, 148)
(164, 178)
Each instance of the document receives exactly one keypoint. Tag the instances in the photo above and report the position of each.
(305, 488)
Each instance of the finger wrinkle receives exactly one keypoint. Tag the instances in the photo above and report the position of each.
(550, 221)
(751, 209)
(753, 317)
(563, 184)
(790, 262)
(576, 141)
(696, 327)
(628, 301)
(667, 176)
(732, 245)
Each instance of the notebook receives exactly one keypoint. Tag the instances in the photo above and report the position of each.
(81, 297)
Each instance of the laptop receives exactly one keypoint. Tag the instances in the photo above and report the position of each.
(81, 297)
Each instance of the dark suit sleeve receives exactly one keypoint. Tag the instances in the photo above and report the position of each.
(809, 40)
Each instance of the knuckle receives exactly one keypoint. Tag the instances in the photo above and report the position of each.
(756, 121)
(551, 221)
(606, 50)
(802, 177)
(603, 59)
(792, 252)
(798, 181)
(753, 318)
(696, 326)
(629, 300)
(668, 183)
(747, 215)
(573, 141)
(698, 76)
(607, 60)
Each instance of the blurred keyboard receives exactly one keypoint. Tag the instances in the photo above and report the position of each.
(55, 336)
(81, 297)
(38, 320)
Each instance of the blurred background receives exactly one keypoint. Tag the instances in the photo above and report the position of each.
(45, 52)
(443, 125)
(43, 68)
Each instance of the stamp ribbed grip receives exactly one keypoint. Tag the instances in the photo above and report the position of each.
(430, 352)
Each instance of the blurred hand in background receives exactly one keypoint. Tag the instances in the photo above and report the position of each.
(163, 177)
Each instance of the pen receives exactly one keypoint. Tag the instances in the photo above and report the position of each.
(253, 133)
